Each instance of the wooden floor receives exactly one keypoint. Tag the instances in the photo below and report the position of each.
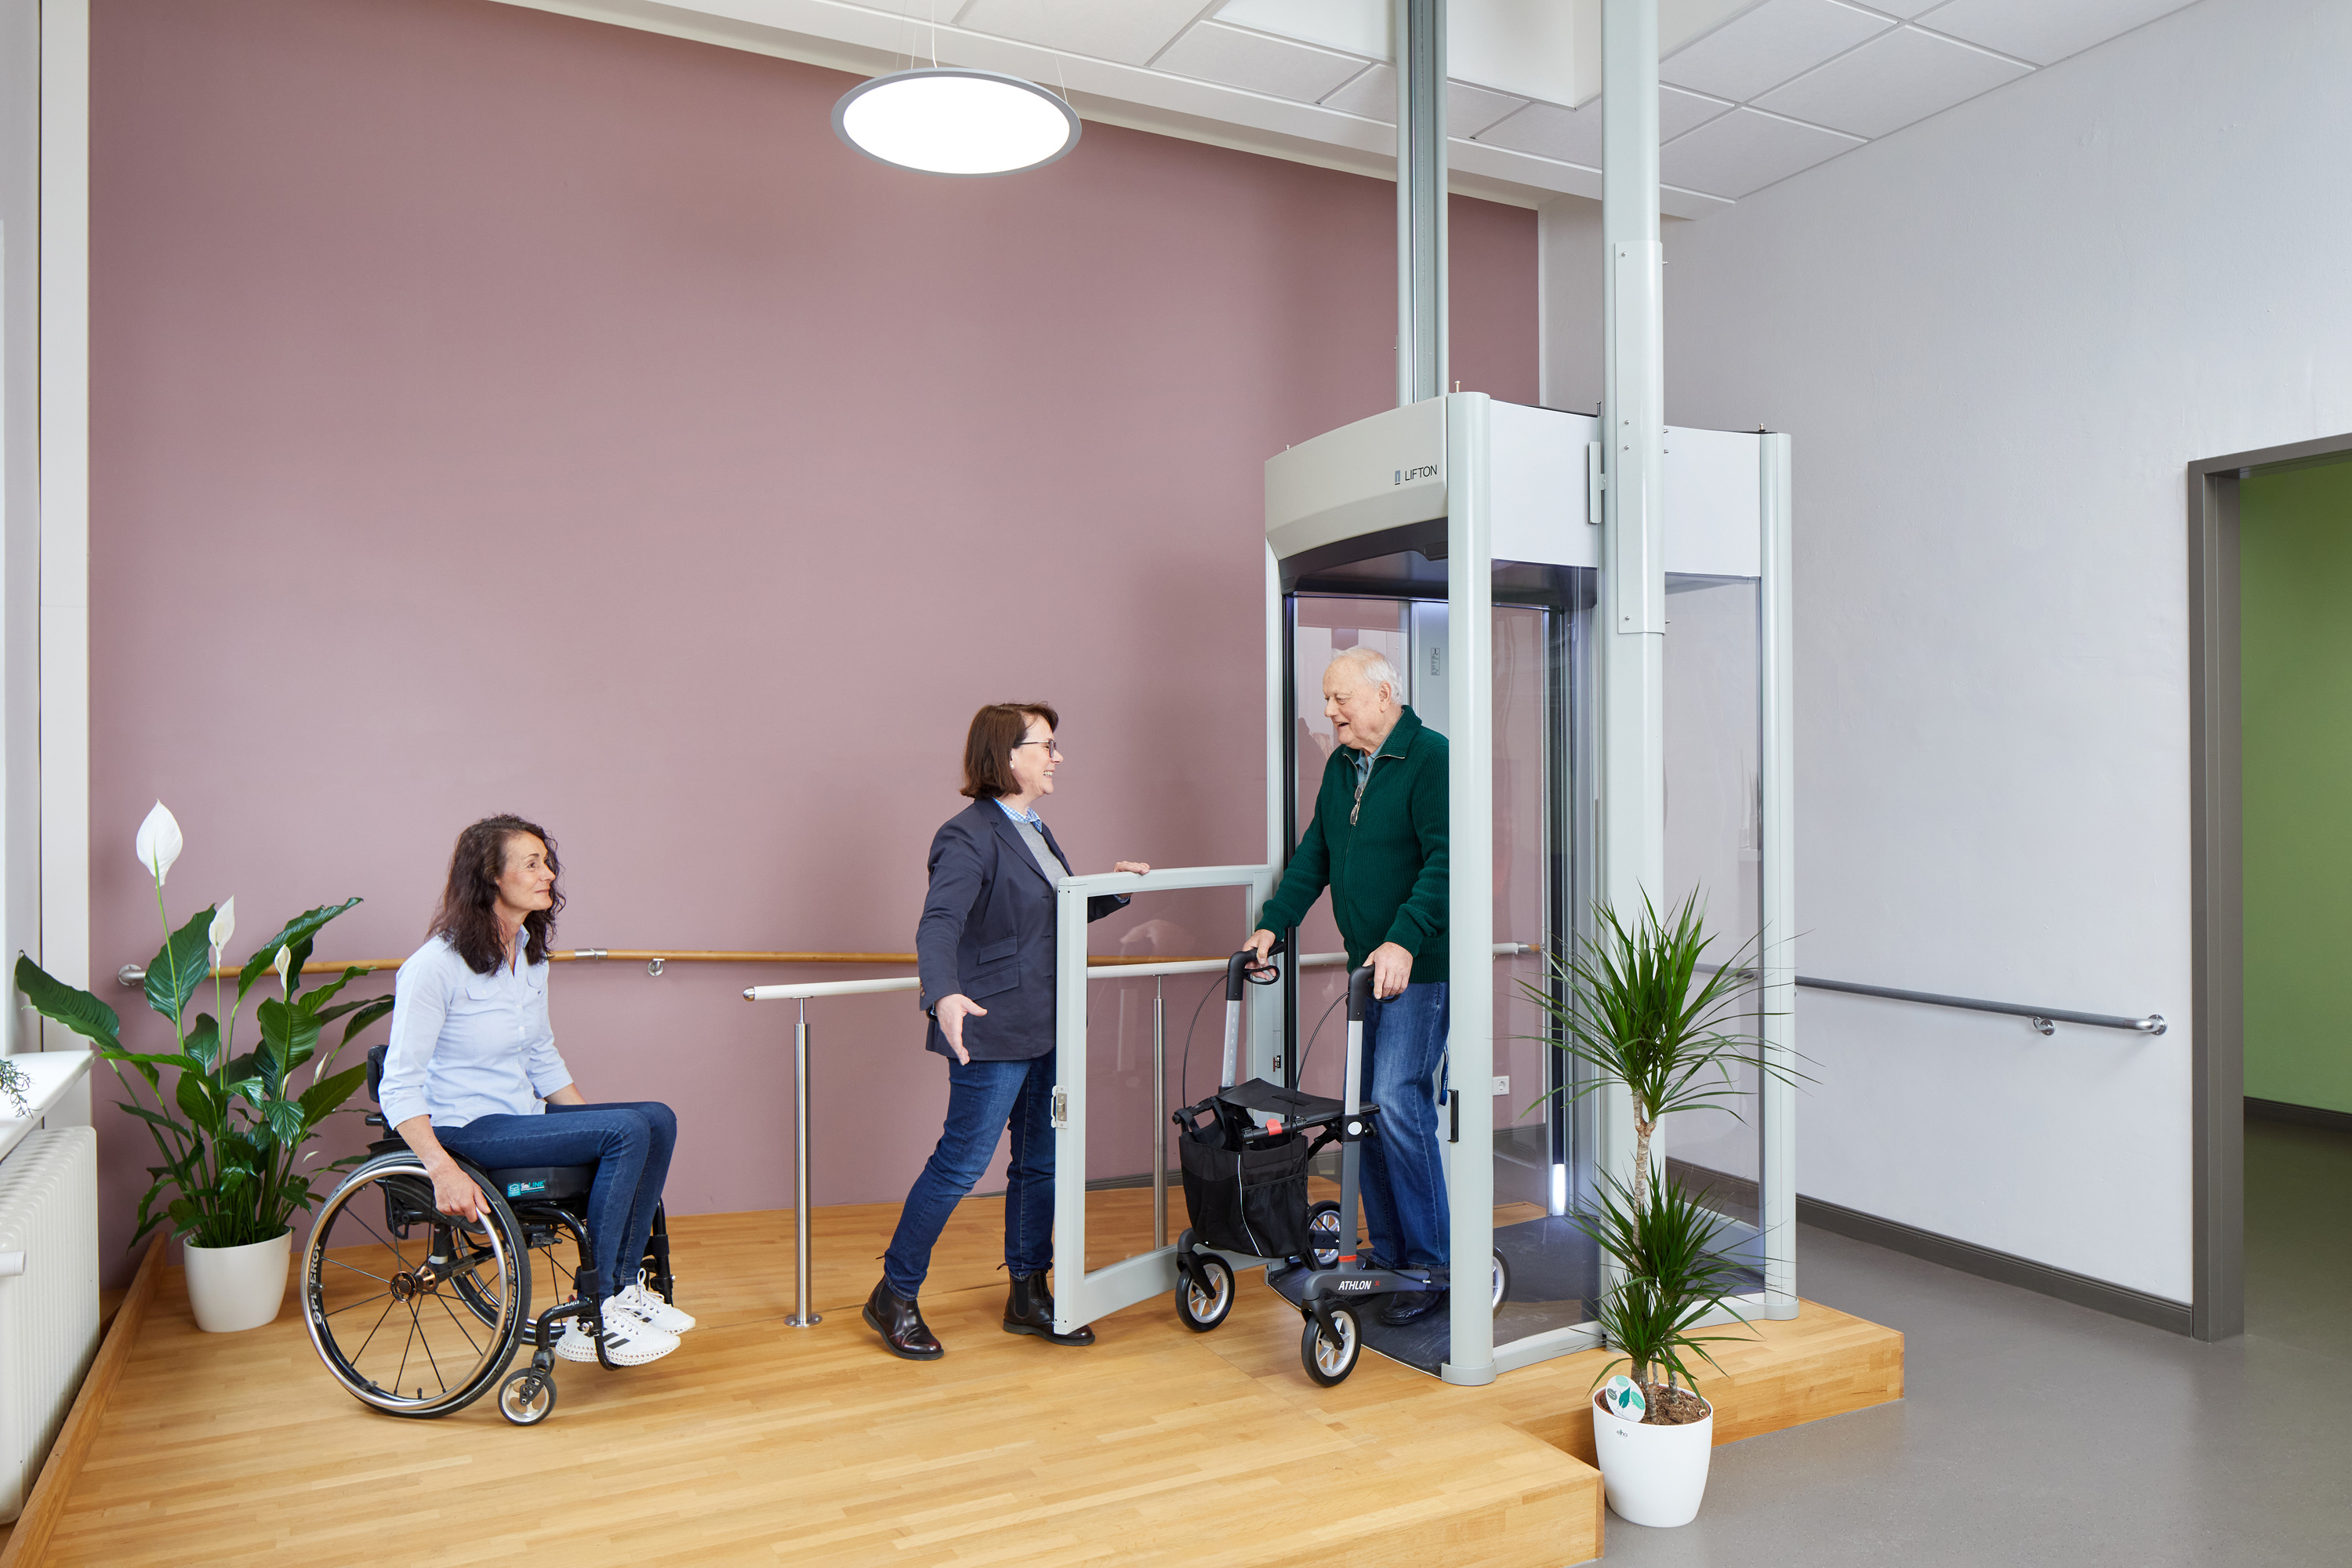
(757, 1443)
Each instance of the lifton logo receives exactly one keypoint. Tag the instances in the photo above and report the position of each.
(1426, 472)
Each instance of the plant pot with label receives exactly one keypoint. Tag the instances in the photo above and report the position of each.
(237, 1288)
(1654, 1471)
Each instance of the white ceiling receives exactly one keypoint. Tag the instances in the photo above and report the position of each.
(1755, 91)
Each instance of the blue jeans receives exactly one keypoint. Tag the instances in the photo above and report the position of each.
(630, 1147)
(983, 1099)
(1404, 1185)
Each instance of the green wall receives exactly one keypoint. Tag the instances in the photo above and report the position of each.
(2295, 565)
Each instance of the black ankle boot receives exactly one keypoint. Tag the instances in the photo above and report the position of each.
(1029, 1309)
(901, 1325)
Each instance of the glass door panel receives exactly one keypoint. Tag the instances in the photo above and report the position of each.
(1714, 850)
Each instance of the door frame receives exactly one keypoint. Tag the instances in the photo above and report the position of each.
(2217, 882)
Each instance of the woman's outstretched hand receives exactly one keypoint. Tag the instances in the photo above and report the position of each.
(952, 1012)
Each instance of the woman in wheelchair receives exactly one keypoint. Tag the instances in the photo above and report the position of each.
(472, 1069)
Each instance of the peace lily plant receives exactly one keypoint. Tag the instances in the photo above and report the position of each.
(228, 1128)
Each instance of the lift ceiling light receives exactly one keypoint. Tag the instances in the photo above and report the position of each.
(944, 120)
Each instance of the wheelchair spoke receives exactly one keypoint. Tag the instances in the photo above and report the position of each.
(388, 1306)
(379, 1279)
(459, 1322)
(401, 1376)
(333, 1311)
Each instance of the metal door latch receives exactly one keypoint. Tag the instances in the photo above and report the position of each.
(1061, 1106)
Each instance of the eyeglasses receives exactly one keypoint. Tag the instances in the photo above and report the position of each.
(1053, 747)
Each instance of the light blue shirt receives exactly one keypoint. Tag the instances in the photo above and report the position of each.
(1029, 817)
(464, 1045)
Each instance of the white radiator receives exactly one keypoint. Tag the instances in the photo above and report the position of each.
(48, 1296)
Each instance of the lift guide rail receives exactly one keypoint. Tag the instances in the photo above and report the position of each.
(1079, 1296)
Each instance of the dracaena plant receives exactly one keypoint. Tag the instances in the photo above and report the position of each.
(1637, 1003)
(230, 1128)
(1667, 1246)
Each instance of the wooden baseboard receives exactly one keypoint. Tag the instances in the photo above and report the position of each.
(30, 1537)
(1985, 1263)
(2301, 1115)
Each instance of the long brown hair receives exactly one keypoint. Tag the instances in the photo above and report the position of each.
(468, 915)
(988, 748)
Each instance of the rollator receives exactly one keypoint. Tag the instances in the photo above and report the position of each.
(1245, 1150)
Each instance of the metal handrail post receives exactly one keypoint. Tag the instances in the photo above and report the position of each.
(1159, 1115)
(804, 1315)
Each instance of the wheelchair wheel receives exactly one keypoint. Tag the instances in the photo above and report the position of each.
(554, 1244)
(527, 1397)
(1323, 1237)
(1329, 1359)
(1204, 1309)
(414, 1312)
(1502, 1281)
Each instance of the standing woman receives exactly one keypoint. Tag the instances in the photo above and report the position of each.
(986, 951)
(472, 1069)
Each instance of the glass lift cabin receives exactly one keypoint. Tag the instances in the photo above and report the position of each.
(1460, 536)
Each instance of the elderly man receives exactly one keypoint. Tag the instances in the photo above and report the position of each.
(1378, 841)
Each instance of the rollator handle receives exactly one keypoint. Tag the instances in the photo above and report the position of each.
(1237, 971)
(1359, 991)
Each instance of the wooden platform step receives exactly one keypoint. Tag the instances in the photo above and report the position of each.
(757, 1443)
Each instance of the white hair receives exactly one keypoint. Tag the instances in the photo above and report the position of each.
(1372, 667)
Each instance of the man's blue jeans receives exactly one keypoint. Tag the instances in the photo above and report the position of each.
(985, 1098)
(1404, 1185)
(630, 1146)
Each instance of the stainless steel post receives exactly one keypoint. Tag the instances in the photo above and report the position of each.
(804, 1316)
(1159, 1114)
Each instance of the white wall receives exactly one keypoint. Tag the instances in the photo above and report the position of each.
(1998, 338)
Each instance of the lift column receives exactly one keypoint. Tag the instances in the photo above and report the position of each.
(1632, 538)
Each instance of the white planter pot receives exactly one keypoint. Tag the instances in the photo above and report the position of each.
(237, 1287)
(1655, 1475)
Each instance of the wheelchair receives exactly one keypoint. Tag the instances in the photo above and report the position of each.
(418, 1313)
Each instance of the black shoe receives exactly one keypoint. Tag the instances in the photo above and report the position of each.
(1412, 1306)
(901, 1323)
(1029, 1309)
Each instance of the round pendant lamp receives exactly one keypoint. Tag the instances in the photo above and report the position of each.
(944, 120)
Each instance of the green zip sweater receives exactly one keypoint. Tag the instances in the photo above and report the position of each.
(1384, 859)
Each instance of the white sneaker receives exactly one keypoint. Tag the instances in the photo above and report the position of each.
(646, 1305)
(629, 1340)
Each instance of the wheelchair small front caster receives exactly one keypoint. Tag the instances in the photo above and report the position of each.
(527, 1397)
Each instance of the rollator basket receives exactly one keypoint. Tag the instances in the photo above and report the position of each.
(1249, 1200)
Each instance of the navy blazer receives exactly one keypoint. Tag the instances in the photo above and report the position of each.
(987, 932)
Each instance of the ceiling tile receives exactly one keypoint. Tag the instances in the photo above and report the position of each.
(1744, 150)
(1358, 27)
(2041, 30)
(1131, 32)
(1469, 110)
(1573, 135)
(1890, 81)
(1256, 63)
(1907, 9)
(1759, 51)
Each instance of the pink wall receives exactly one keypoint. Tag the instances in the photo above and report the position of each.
(496, 411)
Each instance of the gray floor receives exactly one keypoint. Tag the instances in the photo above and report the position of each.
(2035, 1432)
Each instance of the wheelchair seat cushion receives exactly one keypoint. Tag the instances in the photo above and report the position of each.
(542, 1184)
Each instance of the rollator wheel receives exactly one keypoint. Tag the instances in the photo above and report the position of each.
(413, 1312)
(527, 1397)
(1323, 1236)
(1329, 1361)
(1204, 1309)
(1502, 1281)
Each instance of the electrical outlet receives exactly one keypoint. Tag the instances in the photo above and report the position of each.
(1502, 1083)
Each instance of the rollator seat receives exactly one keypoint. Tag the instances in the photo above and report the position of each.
(1294, 1107)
